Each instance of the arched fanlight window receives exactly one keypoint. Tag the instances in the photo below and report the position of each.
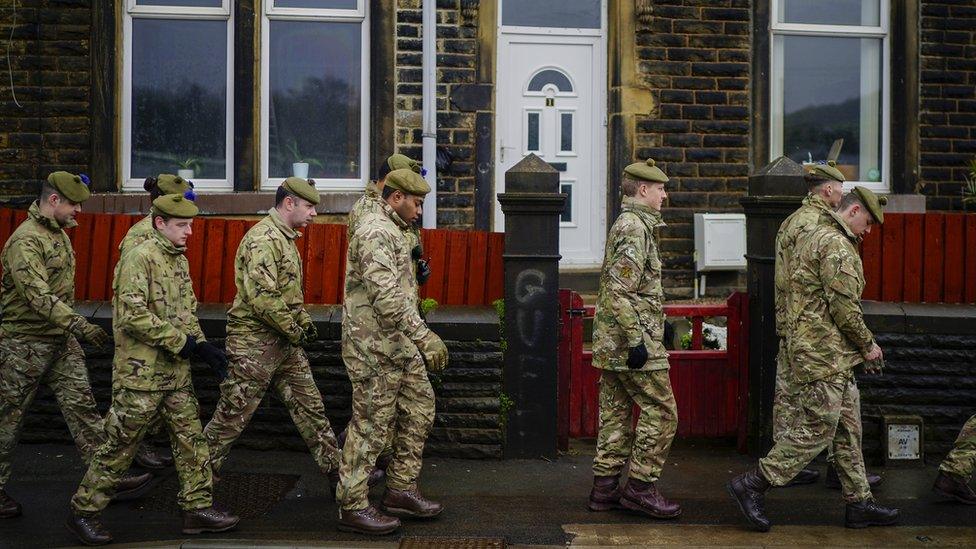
(550, 78)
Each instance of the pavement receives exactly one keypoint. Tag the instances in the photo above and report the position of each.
(285, 502)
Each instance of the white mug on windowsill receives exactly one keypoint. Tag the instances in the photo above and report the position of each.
(300, 169)
(185, 174)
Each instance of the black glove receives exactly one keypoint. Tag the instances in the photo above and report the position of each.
(309, 334)
(637, 357)
(188, 347)
(214, 357)
(417, 252)
(423, 271)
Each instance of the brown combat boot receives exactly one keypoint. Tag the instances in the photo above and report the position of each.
(749, 490)
(409, 503)
(605, 495)
(148, 458)
(208, 519)
(954, 487)
(643, 497)
(832, 480)
(132, 487)
(369, 521)
(89, 530)
(9, 508)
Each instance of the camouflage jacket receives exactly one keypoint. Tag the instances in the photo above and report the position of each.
(38, 283)
(268, 273)
(827, 334)
(381, 323)
(630, 304)
(803, 220)
(137, 234)
(153, 312)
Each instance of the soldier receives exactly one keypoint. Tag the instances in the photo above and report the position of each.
(372, 202)
(958, 467)
(156, 333)
(39, 330)
(266, 327)
(826, 339)
(156, 186)
(628, 346)
(386, 345)
(825, 184)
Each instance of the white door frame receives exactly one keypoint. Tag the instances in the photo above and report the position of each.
(596, 201)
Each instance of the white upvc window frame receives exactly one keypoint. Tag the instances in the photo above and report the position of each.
(360, 15)
(557, 31)
(776, 62)
(134, 11)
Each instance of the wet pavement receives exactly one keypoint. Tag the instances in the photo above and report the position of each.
(286, 503)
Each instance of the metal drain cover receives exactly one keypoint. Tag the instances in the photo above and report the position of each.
(244, 494)
(420, 542)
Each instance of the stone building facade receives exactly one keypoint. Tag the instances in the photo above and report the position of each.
(690, 83)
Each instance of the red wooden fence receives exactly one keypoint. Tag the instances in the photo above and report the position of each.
(467, 265)
(710, 387)
(918, 258)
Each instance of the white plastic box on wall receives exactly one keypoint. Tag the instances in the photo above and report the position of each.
(720, 242)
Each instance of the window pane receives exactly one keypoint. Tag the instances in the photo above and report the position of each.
(566, 132)
(831, 90)
(179, 96)
(532, 140)
(316, 91)
(318, 4)
(550, 76)
(567, 215)
(831, 12)
(181, 3)
(574, 14)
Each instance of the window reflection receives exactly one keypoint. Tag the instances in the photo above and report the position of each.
(581, 14)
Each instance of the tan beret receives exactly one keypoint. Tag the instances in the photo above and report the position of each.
(302, 188)
(175, 205)
(408, 181)
(646, 171)
(71, 186)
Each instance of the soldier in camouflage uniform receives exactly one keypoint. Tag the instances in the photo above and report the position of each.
(156, 186)
(156, 333)
(957, 469)
(628, 346)
(827, 338)
(266, 326)
(372, 202)
(386, 346)
(39, 329)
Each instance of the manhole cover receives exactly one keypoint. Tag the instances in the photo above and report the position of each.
(244, 494)
(418, 542)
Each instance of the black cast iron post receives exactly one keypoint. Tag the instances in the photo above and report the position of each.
(532, 206)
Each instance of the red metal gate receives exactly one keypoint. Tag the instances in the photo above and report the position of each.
(710, 386)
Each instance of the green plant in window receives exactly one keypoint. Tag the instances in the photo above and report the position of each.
(298, 158)
(189, 164)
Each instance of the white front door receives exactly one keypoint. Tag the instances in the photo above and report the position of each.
(551, 101)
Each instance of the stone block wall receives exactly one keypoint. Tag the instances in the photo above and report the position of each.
(456, 64)
(930, 371)
(467, 423)
(695, 58)
(947, 116)
(44, 118)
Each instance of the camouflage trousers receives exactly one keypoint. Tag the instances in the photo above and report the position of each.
(257, 363)
(646, 446)
(828, 414)
(401, 401)
(60, 364)
(961, 461)
(125, 425)
(784, 395)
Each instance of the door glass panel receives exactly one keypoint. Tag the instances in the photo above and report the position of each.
(831, 12)
(572, 14)
(550, 76)
(532, 132)
(567, 215)
(318, 4)
(179, 97)
(566, 132)
(181, 3)
(316, 95)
